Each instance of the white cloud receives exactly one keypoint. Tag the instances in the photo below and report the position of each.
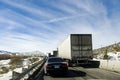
(80, 17)
(33, 9)
(22, 42)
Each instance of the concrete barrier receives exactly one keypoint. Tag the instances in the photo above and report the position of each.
(110, 65)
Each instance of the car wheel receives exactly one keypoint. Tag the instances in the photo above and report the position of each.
(46, 74)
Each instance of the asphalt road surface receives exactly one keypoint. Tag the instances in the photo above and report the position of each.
(79, 73)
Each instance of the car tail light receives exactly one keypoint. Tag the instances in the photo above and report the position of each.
(64, 65)
(48, 66)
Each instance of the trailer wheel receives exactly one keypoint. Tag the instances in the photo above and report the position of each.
(94, 64)
(70, 64)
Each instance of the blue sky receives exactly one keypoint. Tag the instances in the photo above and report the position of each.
(28, 25)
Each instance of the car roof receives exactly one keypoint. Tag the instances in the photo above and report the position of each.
(53, 57)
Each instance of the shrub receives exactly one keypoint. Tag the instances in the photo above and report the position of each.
(12, 67)
(34, 60)
(16, 60)
(4, 70)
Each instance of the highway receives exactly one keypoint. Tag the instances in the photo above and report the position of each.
(80, 73)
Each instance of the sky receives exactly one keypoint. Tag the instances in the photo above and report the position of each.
(29, 25)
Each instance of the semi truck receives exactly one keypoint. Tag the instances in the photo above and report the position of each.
(55, 53)
(77, 50)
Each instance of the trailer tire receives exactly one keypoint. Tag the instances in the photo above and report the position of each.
(94, 64)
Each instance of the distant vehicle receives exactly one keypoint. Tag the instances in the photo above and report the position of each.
(55, 65)
(77, 50)
(55, 53)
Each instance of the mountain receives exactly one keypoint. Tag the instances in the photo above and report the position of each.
(5, 52)
(32, 53)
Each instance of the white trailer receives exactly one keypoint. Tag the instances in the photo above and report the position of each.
(77, 48)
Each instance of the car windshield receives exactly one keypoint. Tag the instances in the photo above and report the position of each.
(55, 60)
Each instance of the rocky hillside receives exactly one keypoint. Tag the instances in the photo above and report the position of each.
(111, 48)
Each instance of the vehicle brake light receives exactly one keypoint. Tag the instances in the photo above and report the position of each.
(64, 65)
(48, 66)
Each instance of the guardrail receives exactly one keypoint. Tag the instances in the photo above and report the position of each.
(28, 72)
(38, 74)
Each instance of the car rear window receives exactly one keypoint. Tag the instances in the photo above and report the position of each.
(55, 60)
